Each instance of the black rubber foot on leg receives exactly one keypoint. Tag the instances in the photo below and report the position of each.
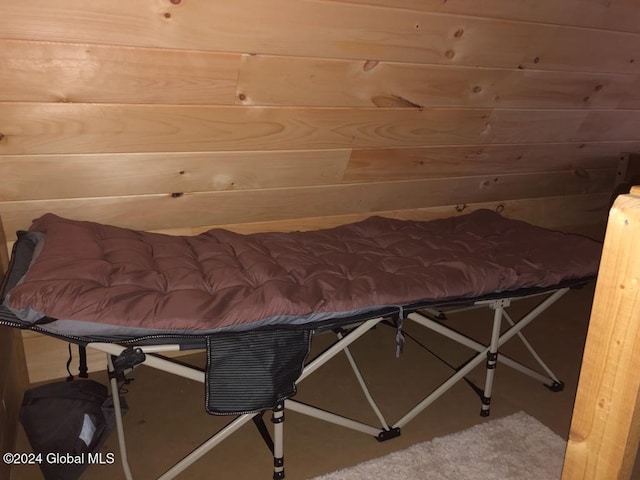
(556, 386)
(485, 413)
(385, 435)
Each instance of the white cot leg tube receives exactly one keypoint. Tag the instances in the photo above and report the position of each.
(278, 441)
(115, 394)
(492, 355)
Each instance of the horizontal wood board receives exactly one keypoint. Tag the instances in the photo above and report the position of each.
(327, 30)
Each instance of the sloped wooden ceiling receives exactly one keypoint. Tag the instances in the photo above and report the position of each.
(170, 114)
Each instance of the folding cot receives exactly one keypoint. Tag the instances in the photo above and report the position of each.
(255, 302)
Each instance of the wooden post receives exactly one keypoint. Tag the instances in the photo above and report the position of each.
(13, 375)
(605, 428)
(4, 254)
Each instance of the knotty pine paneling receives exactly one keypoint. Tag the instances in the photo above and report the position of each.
(97, 128)
(610, 124)
(110, 175)
(90, 128)
(618, 15)
(63, 72)
(123, 102)
(631, 98)
(380, 164)
(273, 80)
(327, 30)
(153, 212)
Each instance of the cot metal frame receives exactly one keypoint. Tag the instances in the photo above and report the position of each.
(428, 318)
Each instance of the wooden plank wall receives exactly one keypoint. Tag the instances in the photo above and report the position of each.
(167, 115)
(174, 113)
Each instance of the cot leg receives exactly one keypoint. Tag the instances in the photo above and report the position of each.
(492, 355)
(119, 427)
(278, 441)
(82, 368)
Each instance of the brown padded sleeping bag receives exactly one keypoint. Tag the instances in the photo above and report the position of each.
(100, 274)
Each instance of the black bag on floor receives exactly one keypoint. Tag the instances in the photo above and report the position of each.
(67, 424)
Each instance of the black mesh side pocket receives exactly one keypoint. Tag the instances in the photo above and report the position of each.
(252, 371)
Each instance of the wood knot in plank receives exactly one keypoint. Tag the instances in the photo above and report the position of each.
(370, 65)
(394, 101)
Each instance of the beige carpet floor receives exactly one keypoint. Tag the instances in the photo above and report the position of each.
(517, 447)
